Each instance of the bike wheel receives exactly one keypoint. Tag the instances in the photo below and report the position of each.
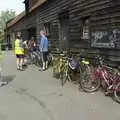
(74, 75)
(55, 69)
(40, 63)
(117, 93)
(63, 78)
(50, 59)
(88, 84)
(63, 69)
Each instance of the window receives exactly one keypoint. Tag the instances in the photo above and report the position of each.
(85, 28)
(47, 28)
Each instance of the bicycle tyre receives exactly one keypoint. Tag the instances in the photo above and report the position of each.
(63, 74)
(63, 78)
(55, 67)
(117, 93)
(88, 84)
(74, 75)
(50, 60)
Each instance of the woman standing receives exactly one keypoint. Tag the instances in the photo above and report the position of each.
(19, 51)
(31, 46)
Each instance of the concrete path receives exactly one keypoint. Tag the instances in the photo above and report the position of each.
(34, 95)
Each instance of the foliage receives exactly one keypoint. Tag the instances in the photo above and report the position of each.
(5, 16)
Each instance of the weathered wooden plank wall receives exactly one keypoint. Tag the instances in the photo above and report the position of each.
(49, 12)
(102, 14)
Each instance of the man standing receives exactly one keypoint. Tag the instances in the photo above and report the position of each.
(44, 49)
(19, 51)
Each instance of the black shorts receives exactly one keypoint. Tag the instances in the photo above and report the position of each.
(19, 56)
(44, 56)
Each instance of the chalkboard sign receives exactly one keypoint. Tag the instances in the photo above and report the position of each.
(106, 38)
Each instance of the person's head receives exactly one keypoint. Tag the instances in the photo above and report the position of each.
(17, 37)
(42, 33)
(32, 38)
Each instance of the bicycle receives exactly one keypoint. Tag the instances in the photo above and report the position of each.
(69, 68)
(76, 66)
(60, 64)
(104, 76)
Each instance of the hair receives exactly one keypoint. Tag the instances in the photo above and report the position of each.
(43, 32)
(32, 38)
(17, 37)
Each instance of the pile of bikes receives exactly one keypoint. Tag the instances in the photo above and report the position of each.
(90, 73)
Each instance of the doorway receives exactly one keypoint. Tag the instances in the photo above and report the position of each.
(31, 32)
(64, 30)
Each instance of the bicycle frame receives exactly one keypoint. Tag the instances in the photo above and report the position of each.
(110, 79)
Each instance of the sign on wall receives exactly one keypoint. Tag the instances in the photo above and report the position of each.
(106, 38)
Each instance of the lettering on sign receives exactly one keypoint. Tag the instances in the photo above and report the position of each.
(106, 38)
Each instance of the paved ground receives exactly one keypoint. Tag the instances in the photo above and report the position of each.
(34, 95)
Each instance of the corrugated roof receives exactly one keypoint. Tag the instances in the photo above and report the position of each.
(16, 19)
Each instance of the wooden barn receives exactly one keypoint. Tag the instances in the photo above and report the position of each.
(90, 26)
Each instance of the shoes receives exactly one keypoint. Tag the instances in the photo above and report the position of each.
(3, 83)
(20, 69)
(24, 65)
(42, 69)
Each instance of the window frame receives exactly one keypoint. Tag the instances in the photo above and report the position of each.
(85, 30)
(47, 28)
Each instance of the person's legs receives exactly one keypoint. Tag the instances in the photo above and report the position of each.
(46, 64)
(43, 59)
(46, 60)
(30, 54)
(18, 61)
(21, 61)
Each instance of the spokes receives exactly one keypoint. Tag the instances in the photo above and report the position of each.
(87, 80)
(117, 93)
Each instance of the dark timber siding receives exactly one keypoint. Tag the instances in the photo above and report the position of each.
(49, 12)
(103, 15)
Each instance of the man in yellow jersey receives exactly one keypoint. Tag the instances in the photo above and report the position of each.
(19, 51)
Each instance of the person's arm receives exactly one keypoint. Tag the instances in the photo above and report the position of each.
(42, 44)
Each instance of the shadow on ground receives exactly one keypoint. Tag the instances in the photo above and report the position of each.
(8, 79)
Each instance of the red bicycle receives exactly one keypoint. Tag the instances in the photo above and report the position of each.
(104, 76)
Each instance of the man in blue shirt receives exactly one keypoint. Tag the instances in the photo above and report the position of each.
(44, 49)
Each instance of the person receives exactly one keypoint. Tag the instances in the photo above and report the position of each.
(19, 51)
(44, 49)
(25, 47)
(31, 46)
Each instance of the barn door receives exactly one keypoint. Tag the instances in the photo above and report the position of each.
(31, 32)
(63, 30)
